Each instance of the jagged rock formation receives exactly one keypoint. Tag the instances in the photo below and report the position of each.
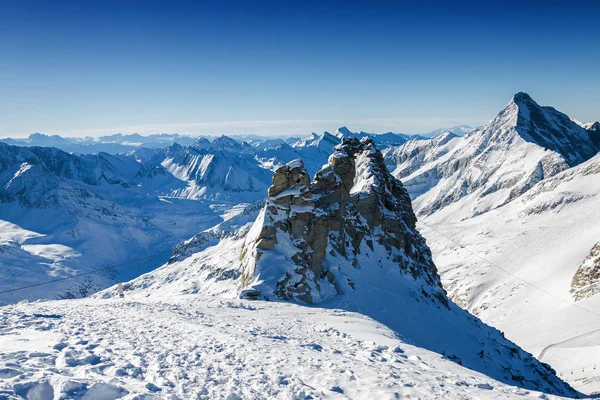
(353, 209)
(594, 131)
(553, 130)
(586, 281)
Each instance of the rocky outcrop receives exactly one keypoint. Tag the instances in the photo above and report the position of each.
(594, 131)
(586, 281)
(352, 211)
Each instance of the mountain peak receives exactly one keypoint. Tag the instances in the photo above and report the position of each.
(226, 143)
(344, 131)
(542, 125)
(522, 97)
(201, 144)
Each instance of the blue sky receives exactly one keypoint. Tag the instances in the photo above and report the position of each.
(97, 67)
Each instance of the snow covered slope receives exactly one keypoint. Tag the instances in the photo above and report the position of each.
(546, 237)
(345, 241)
(521, 193)
(63, 214)
(493, 165)
(199, 347)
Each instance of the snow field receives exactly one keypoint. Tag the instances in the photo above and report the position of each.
(185, 347)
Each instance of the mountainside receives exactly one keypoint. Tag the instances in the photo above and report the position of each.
(347, 241)
(524, 265)
(222, 171)
(63, 214)
(493, 165)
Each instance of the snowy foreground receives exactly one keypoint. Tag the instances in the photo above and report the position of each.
(184, 347)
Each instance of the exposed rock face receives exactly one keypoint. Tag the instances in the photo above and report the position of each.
(353, 211)
(586, 281)
(288, 175)
(594, 131)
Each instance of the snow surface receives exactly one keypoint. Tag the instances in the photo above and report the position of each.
(184, 347)
(542, 238)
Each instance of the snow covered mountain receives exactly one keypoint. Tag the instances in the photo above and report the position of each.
(526, 263)
(459, 130)
(346, 241)
(223, 170)
(113, 144)
(382, 140)
(64, 214)
(491, 166)
(511, 218)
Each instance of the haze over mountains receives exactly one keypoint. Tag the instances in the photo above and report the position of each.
(118, 143)
(509, 211)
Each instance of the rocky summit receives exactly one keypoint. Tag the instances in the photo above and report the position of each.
(353, 210)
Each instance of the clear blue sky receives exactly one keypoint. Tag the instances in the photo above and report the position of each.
(98, 67)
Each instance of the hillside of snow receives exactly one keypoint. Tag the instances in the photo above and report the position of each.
(182, 347)
(522, 195)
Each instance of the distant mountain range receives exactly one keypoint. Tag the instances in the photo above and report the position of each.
(119, 143)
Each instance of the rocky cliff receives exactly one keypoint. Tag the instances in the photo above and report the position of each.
(354, 216)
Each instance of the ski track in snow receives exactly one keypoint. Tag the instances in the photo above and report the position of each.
(207, 348)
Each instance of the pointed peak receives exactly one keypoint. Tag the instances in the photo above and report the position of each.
(344, 130)
(522, 97)
(523, 101)
(445, 136)
(201, 143)
(226, 143)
